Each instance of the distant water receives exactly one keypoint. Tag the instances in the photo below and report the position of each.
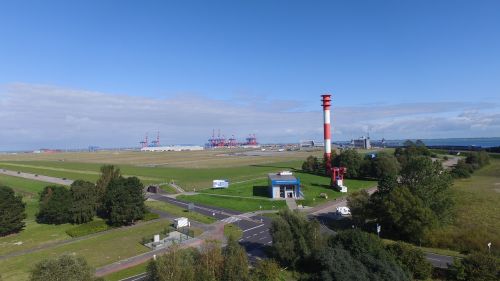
(478, 142)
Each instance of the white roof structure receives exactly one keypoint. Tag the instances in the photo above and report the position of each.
(172, 148)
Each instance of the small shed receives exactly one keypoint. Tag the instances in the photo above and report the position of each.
(283, 185)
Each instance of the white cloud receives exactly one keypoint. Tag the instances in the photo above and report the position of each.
(34, 116)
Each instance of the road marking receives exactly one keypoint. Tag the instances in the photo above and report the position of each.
(253, 227)
(231, 219)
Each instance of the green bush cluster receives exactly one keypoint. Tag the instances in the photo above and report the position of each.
(473, 161)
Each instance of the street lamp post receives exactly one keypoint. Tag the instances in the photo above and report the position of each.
(260, 207)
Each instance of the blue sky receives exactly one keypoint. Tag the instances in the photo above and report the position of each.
(416, 69)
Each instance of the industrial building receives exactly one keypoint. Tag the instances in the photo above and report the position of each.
(172, 148)
(283, 185)
(362, 142)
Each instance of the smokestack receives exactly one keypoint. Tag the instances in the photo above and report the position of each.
(327, 101)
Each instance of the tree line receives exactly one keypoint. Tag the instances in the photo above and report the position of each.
(370, 166)
(355, 255)
(117, 199)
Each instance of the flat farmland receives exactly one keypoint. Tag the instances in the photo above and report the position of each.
(181, 159)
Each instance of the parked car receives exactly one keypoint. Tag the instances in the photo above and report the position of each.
(343, 211)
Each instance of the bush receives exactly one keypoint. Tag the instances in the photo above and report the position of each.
(88, 228)
(476, 267)
(412, 259)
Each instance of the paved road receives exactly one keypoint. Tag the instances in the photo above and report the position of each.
(255, 228)
(439, 261)
(36, 177)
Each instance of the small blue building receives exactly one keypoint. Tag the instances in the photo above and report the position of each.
(283, 185)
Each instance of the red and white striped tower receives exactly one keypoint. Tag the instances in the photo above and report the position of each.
(327, 101)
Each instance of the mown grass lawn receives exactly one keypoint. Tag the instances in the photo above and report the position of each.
(98, 250)
(312, 187)
(234, 203)
(178, 211)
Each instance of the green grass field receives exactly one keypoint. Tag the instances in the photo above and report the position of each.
(234, 203)
(187, 178)
(24, 186)
(477, 212)
(178, 211)
(98, 250)
(312, 187)
(34, 234)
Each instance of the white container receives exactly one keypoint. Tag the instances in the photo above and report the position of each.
(220, 184)
(181, 222)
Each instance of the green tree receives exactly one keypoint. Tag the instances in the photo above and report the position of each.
(124, 201)
(266, 270)
(311, 165)
(12, 211)
(412, 259)
(431, 183)
(108, 173)
(405, 216)
(175, 265)
(235, 262)
(369, 250)
(350, 159)
(54, 206)
(66, 267)
(358, 202)
(84, 201)
(336, 264)
(210, 263)
(294, 238)
(385, 165)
